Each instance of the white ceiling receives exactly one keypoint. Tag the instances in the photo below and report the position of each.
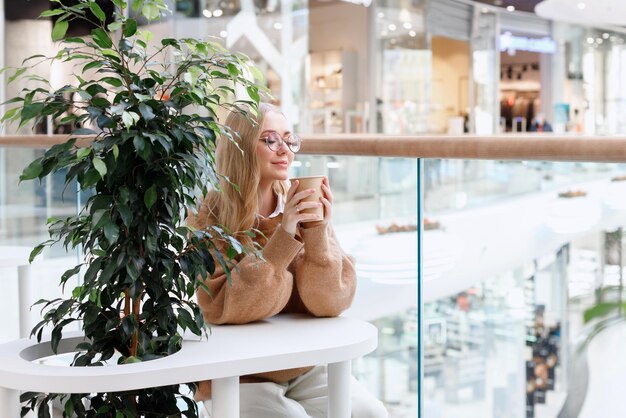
(586, 12)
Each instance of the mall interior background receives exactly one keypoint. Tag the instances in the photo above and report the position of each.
(503, 311)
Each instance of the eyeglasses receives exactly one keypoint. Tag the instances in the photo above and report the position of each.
(275, 142)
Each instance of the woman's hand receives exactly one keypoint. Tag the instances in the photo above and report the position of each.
(292, 214)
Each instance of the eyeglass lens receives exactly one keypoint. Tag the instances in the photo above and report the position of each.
(274, 141)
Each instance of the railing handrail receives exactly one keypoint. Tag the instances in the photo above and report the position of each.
(540, 147)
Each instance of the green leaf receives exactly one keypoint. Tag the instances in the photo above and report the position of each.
(110, 53)
(126, 214)
(111, 232)
(98, 219)
(83, 152)
(100, 166)
(170, 42)
(130, 28)
(150, 11)
(146, 111)
(35, 252)
(116, 151)
(55, 339)
(150, 197)
(10, 113)
(97, 11)
(69, 408)
(17, 73)
(114, 26)
(120, 3)
(59, 30)
(115, 82)
(253, 92)
(101, 38)
(74, 40)
(132, 359)
(33, 170)
(93, 64)
(129, 118)
(139, 143)
(257, 74)
(53, 12)
(32, 110)
(232, 69)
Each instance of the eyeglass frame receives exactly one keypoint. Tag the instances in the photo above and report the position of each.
(280, 141)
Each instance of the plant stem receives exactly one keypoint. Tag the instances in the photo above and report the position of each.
(135, 340)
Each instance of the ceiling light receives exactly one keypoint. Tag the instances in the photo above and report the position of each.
(605, 35)
(223, 34)
(218, 12)
(207, 13)
(391, 27)
(590, 40)
(599, 40)
(278, 25)
(582, 5)
(412, 33)
(383, 33)
(510, 8)
(407, 25)
(381, 15)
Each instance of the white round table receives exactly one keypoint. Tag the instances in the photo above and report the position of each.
(230, 351)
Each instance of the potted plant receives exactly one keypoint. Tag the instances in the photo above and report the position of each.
(152, 113)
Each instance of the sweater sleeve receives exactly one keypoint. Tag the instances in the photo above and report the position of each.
(326, 278)
(260, 288)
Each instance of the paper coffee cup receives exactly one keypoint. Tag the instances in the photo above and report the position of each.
(311, 182)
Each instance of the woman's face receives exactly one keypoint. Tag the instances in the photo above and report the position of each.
(274, 165)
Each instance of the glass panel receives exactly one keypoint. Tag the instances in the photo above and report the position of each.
(515, 281)
(457, 184)
(366, 188)
(374, 216)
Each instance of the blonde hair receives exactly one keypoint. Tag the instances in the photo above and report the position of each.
(235, 205)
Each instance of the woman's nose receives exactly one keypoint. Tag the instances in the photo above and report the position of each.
(284, 148)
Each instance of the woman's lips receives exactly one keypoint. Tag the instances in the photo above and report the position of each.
(282, 163)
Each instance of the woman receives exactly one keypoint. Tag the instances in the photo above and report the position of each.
(303, 268)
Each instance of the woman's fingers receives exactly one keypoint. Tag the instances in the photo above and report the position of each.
(307, 205)
(328, 207)
(327, 192)
(292, 190)
(296, 198)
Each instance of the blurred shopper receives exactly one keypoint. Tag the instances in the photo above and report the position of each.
(540, 124)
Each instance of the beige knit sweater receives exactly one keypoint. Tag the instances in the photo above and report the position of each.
(308, 273)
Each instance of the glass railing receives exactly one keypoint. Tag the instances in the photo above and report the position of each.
(519, 260)
(25, 208)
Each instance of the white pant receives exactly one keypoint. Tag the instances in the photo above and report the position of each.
(305, 396)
